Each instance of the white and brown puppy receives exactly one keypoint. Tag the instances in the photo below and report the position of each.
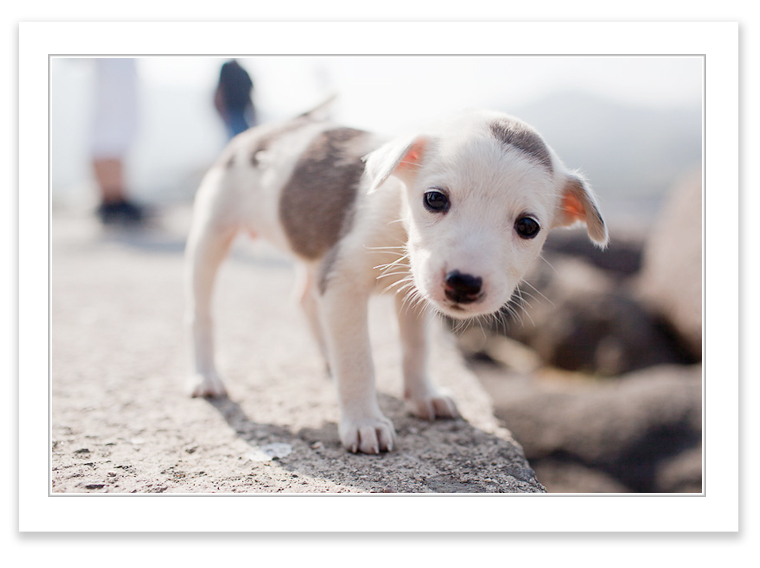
(449, 219)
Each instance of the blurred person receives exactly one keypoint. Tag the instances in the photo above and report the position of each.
(232, 98)
(113, 130)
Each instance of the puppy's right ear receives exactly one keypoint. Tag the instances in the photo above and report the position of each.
(401, 158)
(578, 204)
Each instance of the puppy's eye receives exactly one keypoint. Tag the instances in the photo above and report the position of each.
(527, 227)
(436, 201)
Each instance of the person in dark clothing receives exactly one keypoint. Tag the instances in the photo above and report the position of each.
(233, 98)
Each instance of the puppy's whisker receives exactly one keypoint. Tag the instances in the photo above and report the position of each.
(522, 301)
(400, 247)
(520, 308)
(531, 296)
(539, 291)
(397, 268)
(479, 320)
(387, 252)
(461, 325)
(387, 274)
(404, 274)
(413, 299)
(403, 286)
(420, 303)
(513, 312)
(527, 314)
(391, 264)
(502, 322)
(392, 285)
(402, 283)
(541, 256)
(407, 293)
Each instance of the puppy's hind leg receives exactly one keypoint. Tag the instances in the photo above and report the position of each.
(206, 248)
(305, 293)
(424, 398)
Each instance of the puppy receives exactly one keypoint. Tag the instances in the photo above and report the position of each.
(448, 219)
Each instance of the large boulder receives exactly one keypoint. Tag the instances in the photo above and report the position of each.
(578, 317)
(622, 257)
(671, 277)
(641, 432)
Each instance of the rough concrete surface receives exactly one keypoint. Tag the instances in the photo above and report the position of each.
(122, 420)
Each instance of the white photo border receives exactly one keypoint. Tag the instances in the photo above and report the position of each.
(717, 509)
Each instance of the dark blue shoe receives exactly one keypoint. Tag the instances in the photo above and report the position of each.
(121, 212)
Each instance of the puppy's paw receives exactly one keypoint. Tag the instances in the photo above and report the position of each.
(433, 405)
(207, 386)
(370, 435)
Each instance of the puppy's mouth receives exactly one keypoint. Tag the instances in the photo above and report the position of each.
(462, 310)
(459, 302)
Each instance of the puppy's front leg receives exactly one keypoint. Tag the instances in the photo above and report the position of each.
(425, 399)
(207, 247)
(363, 427)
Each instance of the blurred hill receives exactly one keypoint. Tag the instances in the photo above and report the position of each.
(627, 151)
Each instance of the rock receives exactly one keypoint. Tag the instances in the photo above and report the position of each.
(475, 343)
(681, 473)
(580, 318)
(671, 278)
(563, 476)
(623, 256)
(640, 430)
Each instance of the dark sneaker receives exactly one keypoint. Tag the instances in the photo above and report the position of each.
(122, 212)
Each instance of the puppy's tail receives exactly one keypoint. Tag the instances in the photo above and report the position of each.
(322, 111)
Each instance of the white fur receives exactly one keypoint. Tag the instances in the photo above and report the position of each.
(395, 244)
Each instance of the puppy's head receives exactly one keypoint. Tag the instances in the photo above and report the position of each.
(481, 195)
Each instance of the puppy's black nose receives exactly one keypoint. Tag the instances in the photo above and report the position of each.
(462, 288)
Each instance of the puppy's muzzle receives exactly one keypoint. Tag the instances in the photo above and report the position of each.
(463, 288)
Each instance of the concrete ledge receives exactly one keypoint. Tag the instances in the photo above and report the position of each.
(122, 421)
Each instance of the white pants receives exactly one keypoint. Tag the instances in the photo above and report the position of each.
(115, 107)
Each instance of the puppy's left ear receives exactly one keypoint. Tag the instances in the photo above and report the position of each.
(578, 204)
(401, 158)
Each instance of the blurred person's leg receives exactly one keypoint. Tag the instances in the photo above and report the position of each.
(109, 175)
(114, 205)
(114, 129)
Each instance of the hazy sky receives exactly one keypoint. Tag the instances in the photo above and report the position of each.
(385, 92)
(180, 133)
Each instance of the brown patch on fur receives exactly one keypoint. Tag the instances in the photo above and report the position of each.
(521, 136)
(316, 204)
